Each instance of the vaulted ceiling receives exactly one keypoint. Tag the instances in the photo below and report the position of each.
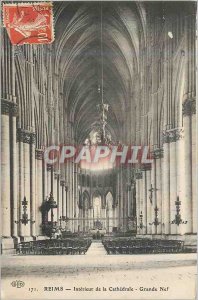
(78, 59)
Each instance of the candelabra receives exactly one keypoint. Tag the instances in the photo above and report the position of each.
(24, 220)
(141, 225)
(156, 221)
(178, 220)
(151, 190)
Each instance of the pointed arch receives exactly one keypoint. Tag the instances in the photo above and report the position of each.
(109, 199)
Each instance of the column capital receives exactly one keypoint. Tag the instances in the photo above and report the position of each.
(62, 182)
(56, 175)
(49, 168)
(39, 154)
(158, 153)
(173, 135)
(189, 107)
(9, 108)
(146, 167)
(26, 136)
(138, 174)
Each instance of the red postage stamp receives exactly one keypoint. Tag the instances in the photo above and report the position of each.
(29, 23)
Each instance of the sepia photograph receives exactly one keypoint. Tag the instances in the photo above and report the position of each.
(98, 150)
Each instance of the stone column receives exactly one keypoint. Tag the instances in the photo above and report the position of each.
(122, 198)
(162, 187)
(27, 154)
(111, 218)
(55, 194)
(49, 186)
(60, 198)
(194, 176)
(138, 177)
(166, 183)
(114, 216)
(57, 177)
(33, 214)
(189, 109)
(103, 212)
(25, 139)
(147, 208)
(63, 206)
(66, 200)
(86, 219)
(173, 180)
(68, 179)
(125, 198)
(39, 189)
(153, 196)
(149, 205)
(45, 180)
(144, 201)
(119, 198)
(180, 155)
(79, 220)
(91, 215)
(83, 220)
(129, 200)
(14, 170)
(26, 151)
(5, 168)
(75, 197)
(158, 155)
(48, 168)
(21, 187)
(171, 138)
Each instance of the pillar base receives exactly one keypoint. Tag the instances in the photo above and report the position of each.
(8, 245)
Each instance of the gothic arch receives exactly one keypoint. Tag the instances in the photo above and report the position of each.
(86, 200)
(97, 193)
(109, 199)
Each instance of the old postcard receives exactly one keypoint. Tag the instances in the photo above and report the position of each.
(98, 150)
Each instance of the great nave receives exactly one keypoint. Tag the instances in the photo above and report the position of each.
(50, 96)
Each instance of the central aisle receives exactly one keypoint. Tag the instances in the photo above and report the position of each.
(96, 249)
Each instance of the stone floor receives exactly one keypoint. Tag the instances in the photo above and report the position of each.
(100, 276)
(96, 249)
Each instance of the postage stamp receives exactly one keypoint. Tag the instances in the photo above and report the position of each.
(29, 23)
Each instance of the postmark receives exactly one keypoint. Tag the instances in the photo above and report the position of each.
(29, 23)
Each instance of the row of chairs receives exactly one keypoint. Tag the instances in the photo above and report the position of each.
(54, 247)
(142, 246)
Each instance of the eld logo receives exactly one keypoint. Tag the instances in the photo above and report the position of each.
(18, 284)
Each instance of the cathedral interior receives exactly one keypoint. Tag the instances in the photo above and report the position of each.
(136, 60)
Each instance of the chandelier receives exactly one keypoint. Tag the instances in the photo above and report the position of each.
(103, 136)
